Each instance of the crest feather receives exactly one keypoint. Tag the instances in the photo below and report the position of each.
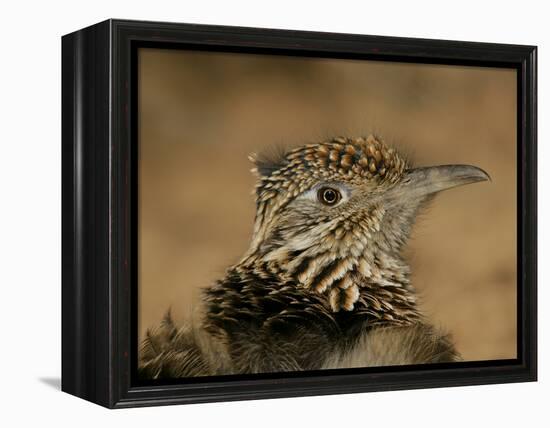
(269, 160)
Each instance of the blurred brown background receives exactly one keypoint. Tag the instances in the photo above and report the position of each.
(201, 114)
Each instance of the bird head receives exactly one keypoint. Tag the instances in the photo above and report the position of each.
(334, 216)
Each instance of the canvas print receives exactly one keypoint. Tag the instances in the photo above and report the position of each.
(301, 214)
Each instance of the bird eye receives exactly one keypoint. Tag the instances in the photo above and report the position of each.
(329, 196)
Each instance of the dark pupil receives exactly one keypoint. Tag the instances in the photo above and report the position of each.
(329, 196)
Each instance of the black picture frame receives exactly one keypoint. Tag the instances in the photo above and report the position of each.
(99, 210)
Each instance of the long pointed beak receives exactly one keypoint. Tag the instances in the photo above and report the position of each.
(425, 181)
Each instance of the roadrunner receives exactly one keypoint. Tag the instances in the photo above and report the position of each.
(324, 283)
